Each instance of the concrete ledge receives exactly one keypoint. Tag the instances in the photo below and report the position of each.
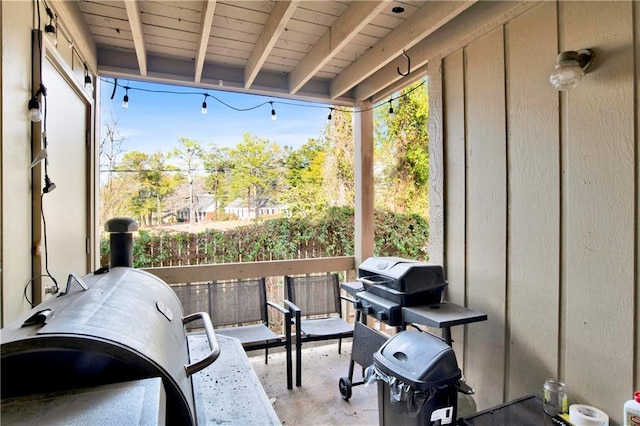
(228, 391)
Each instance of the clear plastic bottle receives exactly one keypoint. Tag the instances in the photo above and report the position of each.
(631, 412)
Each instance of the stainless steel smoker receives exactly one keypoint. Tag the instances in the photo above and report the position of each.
(117, 325)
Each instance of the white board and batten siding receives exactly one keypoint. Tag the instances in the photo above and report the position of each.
(455, 186)
(533, 202)
(486, 195)
(540, 210)
(600, 166)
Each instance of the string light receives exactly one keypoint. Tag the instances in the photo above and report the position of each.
(273, 112)
(50, 29)
(88, 82)
(35, 113)
(125, 99)
(204, 104)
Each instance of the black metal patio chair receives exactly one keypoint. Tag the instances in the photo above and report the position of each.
(240, 309)
(316, 309)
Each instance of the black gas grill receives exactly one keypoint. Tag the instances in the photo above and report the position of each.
(398, 292)
(391, 283)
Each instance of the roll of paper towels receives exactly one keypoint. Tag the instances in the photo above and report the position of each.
(584, 415)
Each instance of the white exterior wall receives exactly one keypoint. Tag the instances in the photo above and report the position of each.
(19, 207)
(540, 205)
(15, 196)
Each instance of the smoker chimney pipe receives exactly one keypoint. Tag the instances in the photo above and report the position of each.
(121, 231)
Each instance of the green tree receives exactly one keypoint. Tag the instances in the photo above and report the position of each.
(339, 162)
(304, 175)
(402, 152)
(256, 171)
(189, 153)
(216, 165)
(145, 183)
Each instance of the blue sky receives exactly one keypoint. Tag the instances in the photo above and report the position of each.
(154, 121)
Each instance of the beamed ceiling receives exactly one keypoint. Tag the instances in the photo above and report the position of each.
(335, 52)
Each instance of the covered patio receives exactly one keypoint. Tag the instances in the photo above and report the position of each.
(533, 192)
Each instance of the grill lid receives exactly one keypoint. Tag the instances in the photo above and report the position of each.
(400, 274)
(124, 325)
(418, 359)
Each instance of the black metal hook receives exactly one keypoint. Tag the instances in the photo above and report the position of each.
(408, 65)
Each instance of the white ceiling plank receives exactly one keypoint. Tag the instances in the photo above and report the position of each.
(205, 32)
(426, 20)
(484, 17)
(101, 9)
(71, 15)
(135, 21)
(347, 26)
(310, 57)
(280, 15)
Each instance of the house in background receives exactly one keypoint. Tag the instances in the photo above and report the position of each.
(203, 209)
(239, 208)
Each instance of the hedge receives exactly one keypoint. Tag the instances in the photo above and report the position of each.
(402, 235)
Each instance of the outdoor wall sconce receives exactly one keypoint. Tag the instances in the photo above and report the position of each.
(570, 67)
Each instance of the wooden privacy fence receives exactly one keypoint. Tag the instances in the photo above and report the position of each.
(181, 249)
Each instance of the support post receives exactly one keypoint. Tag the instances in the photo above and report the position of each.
(364, 202)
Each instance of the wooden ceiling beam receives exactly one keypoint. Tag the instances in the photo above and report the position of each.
(347, 26)
(424, 21)
(280, 15)
(469, 26)
(135, 21)
(179, 71)
(205, 31)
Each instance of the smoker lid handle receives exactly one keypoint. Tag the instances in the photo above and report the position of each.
(196, 366)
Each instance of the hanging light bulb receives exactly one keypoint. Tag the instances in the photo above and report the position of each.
(273, 112)
(50, 29)
(390, 108)
(204, 104)
(125, 99)
(88, 82)
(329, 116)
(35, 113)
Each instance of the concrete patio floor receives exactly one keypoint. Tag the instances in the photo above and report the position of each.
(318, 400)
